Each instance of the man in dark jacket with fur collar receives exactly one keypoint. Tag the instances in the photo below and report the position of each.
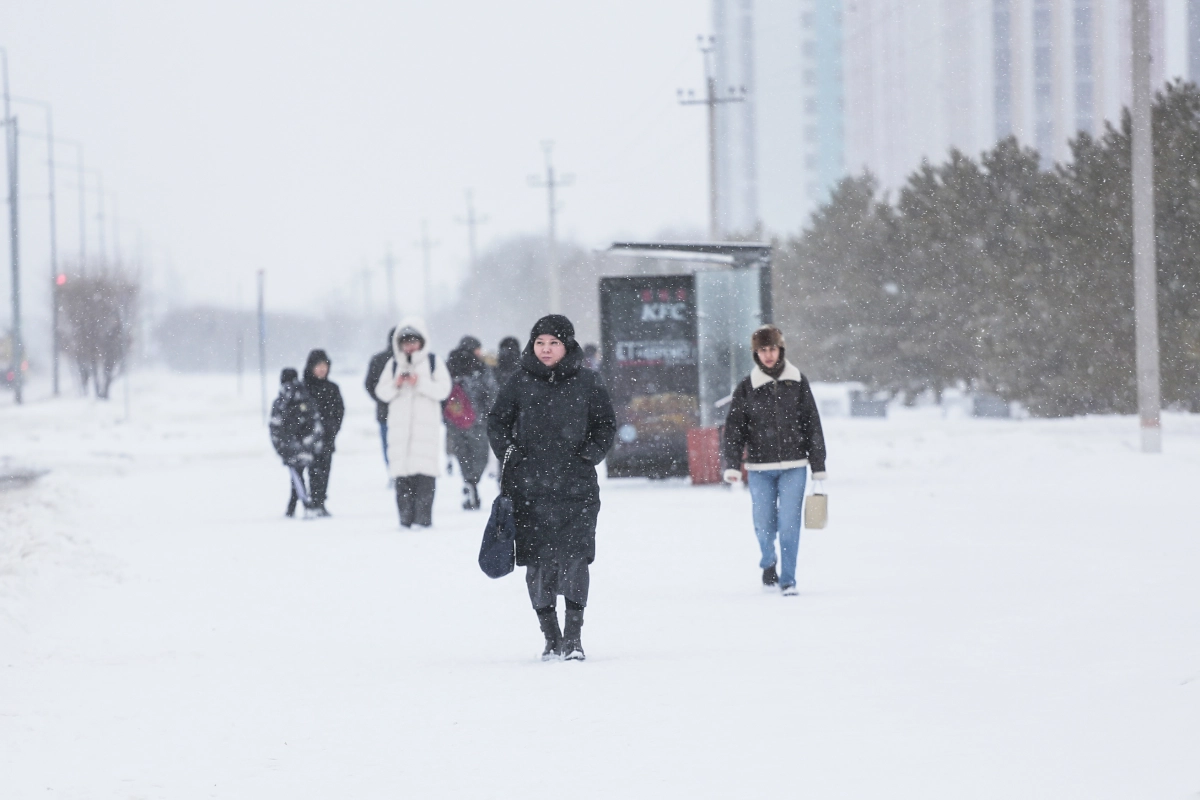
(773, 420)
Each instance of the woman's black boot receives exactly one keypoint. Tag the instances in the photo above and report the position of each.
(548, 620)
(572, 648)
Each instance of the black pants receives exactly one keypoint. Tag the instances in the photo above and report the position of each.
(318, 477)
(414, 499)
(546, 580)
(470, 447)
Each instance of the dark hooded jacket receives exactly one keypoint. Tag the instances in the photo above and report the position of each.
(374, 370)
(508, 360)
(468, 371)
(328, 397)
(560, 421)
(297, 433)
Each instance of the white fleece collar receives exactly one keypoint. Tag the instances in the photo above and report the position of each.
(759, 378)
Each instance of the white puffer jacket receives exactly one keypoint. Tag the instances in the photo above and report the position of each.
(414, 436)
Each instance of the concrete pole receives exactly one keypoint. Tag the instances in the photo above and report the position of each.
(1145, 281)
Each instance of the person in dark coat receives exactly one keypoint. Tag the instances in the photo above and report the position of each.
(374, 370)
(465, 412)
(773, 420)
(508, 360)
(555, 422)
(297, 434)
(328, 398)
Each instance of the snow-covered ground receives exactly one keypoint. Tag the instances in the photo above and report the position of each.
(999, 609)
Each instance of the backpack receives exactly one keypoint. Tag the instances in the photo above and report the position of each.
(457, 409)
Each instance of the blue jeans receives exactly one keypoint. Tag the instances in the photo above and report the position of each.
(383, 437)
(777, 496)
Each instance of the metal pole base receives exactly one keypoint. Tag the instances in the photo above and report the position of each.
(1151, 439)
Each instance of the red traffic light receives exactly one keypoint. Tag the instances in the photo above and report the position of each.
(60, 279)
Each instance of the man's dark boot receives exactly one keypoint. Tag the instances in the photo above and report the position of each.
(572, 648)
(548, 620)
(770, 577)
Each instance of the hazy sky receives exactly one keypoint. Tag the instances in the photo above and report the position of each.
(302, 137)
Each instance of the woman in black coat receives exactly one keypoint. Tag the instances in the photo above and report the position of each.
(555, 422)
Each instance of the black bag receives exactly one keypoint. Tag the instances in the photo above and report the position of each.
(498, 551)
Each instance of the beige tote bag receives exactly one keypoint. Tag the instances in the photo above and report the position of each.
(816, 510)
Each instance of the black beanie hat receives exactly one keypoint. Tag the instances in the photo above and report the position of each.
(469, 343)
(557, 326)
(288, 375)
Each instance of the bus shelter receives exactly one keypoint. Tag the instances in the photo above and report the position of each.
(673, 345)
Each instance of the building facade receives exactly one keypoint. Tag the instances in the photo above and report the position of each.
(839, 86)
(780, 150)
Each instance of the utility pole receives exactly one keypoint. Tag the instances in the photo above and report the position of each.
(426, 247)
(712, 100)
(262, 343)
(476, 287)
(10, 153)
(550, 183)
(1145, 270)
(49, 139)
(389, 266)
(366, 280)
(100, 217)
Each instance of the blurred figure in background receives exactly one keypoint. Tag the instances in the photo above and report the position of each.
(328, 399)
(591, 357)
(413, 384)
(296, 434)
(374, 370)
(508, 360)
(465, 412)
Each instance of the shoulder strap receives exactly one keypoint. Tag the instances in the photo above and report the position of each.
(432, 363)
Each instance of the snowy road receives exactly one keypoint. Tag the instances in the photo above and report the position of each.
(998, 610)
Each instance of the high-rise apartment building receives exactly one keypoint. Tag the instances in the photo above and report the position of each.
(923, 76)
(780, 150)
(838, 86)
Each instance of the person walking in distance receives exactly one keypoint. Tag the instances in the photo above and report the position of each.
(413, 384)
(328, 399)
(774, 421)
(508, 360)
(374, 370)
(296, 434)
(554, 422)
(465, 412)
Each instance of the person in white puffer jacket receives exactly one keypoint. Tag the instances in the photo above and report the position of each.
(413, 384)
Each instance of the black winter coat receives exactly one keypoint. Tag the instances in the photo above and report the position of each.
(297, 433)
(561, 422)
(775, 421)
(328, 397)
(374, 371)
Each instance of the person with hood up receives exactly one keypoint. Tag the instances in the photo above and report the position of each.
(374, 370)
(465, 413)
(413, 384)
(297, 434)
(508, 360)
(554, 422)
(328, 398)
(773, 420)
